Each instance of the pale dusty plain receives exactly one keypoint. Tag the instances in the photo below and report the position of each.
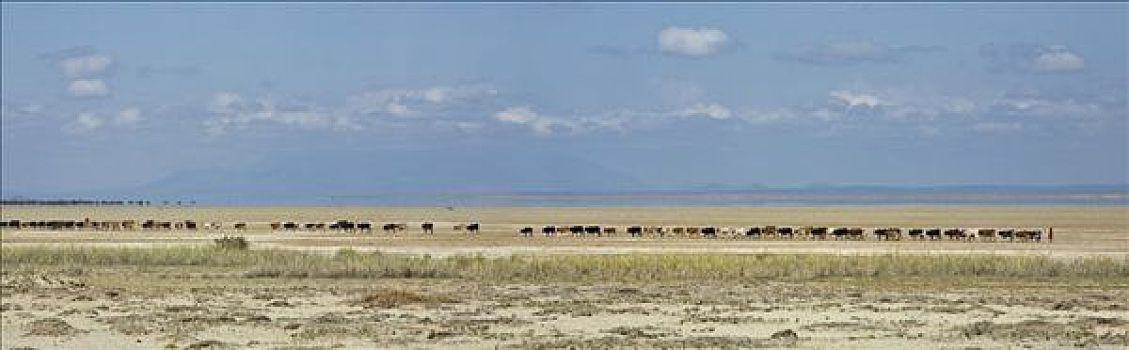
(137, 307)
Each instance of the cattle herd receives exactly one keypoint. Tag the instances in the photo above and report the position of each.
(803, 232)
(636, 231)
(146, 225)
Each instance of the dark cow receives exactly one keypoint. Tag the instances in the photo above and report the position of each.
(593, 230)
(344, 225)
(753, 232)
(820, 232)
(239, 226)
(472, 228)
(526, 231)
(1006, 233)
(290, 226)
(768, 231)
(840, 232)
(916, 233)
(1035, 235)
(986, 234)
(888, 233)
(428, 227)
(609, 231)
(708, 231)
(148, 225)
(785, 231)
(635, 231)
(956, 233)
(549, 230)
(576, 230)
(364, 226)
(933, 233)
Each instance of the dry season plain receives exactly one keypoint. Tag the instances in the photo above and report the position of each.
(179, 289)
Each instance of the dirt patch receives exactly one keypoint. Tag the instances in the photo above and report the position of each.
(390, 298)
(50, 327)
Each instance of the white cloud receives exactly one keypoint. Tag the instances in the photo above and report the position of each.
(85, 122)
(88, 88)
(231, 111)
(406, 102)
(226, 103)
(525, 116)
(711, 110)
(853, 100)
(1059, 59)
(128, 116)
(1026, 57)
(85, 66)
(691, 41)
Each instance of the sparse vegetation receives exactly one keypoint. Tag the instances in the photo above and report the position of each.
(232, 242)
(390, 298)
(628, 268)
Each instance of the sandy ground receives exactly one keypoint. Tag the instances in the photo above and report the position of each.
(1079, 231)
(56, 311)
(99, 309)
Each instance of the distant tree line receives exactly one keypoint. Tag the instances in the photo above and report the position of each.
(22, 201)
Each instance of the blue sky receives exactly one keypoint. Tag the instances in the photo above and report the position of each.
(261, 98)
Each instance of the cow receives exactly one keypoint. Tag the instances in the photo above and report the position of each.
(768, 231)
(364, 226)
(459, 227)
(888, 233)
(593, 230)
(785, 231)
(390, 228)
(345, 226)
(1006, 233)
(290, 226)
(678, 231)
(933, 234)
(916, 233)
(708, 231)
(310, 226)
(472, 228)
(275, 226)
(635, 231)
(1035, 235)
(692, 231)
(956, 233)
(190, 225)
(148, 225)
(428, 227)
(526, 231)
(549, 230)
(576, 230)
(609, 231)
(754, 231)
(986, 234)
(164, 225)
(820, 232)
